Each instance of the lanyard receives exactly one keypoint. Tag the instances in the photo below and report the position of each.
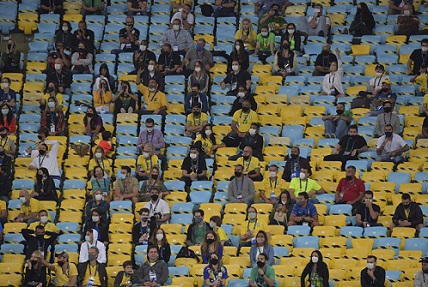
(146, 229)
(242, 184)
(176, 35)
(367, 216)
(245, 119)
(147, 136)
(147, 164)
(41, 161)
(3, 143)
(424, 58)
(351, 183)
(199, 120)
(59, 79)
(249, 162)
(276, 182)
(153, 97)
(378, 83)
(153, 208)
(90, 269)
(101, 163)
(254, 226)
(295, 165)
(407, 212)
(195, 167)
(331, 80)
(41, 246)
(125, 186)
(98, 183)
(384, 118)
(306, 186)
(201, 55)
(323, 60)
(170, 60)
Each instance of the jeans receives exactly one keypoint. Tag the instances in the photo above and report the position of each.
(339, 129)
(395, 159)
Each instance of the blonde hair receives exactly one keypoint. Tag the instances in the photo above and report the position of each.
(250, 26)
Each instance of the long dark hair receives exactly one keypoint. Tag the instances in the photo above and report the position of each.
(96, 116)
(104, 66)
(204, 135)
(9, 115)
(320, 264)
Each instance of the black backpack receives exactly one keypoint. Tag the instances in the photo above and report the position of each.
(185, 252)
(360, 102)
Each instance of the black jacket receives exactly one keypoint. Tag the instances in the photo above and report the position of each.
(102, 229)
(46, 189)
(160, 268)
(34, 275)
(118, 279)
(256, 142)
(136, 231)
(62, 80)
(415, 215)
(190, 236)
(303, 162)
(102, 273)
(379, 274)
(297, 40)
(322, 271)
(237, 103)
(164, 252)
(32, 243)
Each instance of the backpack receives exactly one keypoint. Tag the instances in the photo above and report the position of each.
(185, 252)
(360, 102)
(206, 10)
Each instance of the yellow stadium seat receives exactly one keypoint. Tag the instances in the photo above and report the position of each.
(315, 111)
(338, 220)
(300, 100)
(230, 250)
(405, 232)
(119, 249)
(354, 90)
(282, 273)
(123, 218)
(295, 10)
(10, 268)
(122, 238)
(332, 253)
(272, 80)
(330, 165)
(333, 242)
(261, 70)
(370, 70)
(292, 262)
(269, 121)
(112, 270)
(278, 100)
(409, 110)
(410, 133)
(70, 216)
(237, 264)
(14, 227)
(271, 153)
(74, 194)
(318, 154)
(302, 252)
(13, 258)
(360, 112)
(326, 175)
(337, 275)
(117, 228)
(183, 281)
(352, 283)
(399, 264)
(276, 229)
(396, 39)
(261, 98)
(382, 166)
(264, 90)
(11, 279)
(291, 282)
(126, 119)
(291, 111)
(402, 284)
(409, 274)
(324, 231)
(235, 208)
(187, 262)
(299, 121)
(280, 141)
(282, 241)
(28, 23)
(75, 205)
(314, 132)
(267, 110)
(404, 58)
(357, 253)
(412, 188)
(234, 219)
(410, 254)
(337, 19)
(361, 49)
(383, 254)
(422, 144)
(343, 264)
(419, 155)
(373, 176)
(413, 121)
(218, 70)
(197, 272)
(263, 208)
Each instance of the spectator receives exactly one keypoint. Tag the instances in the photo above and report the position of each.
(61, 77)
(236, 78)
(194, 167)
(35, 270)
(158, 238)
(332, 83)
(285, 62)
(248, 36)
(215, 273)
(350, 189)
(92, 266)
(35, 240)
(305, 184)
(407, 214)
(7, 145)
(196, 96)
(418, 58)
(195, 121)
(199, 76)
(91, 236)
(125, 100)
(303, 212)
(149, 73)
(348, 147)
(8, 118)
(143, 229)
(155, 102)
(197, 230)
(29, 207)
(169, 60)
(364, 22)
(207, 141)
(123, 277)
(180, 40)
(83, 34)
(65, 272)
(261, 246)
(143, 56)
(263, 6)
(408, 24)
(254, 140)
(5, 191)
(11, 58)
(265, 46)
(153, 271)
(423, 135)
(317, 24)
(137, 8)
(44, 187)
(242, 95)
(323, 61)
(99, 182)
(211, 245)
(102, 96)
(47, 159)
(372, 275)
(293, 165)
(126, 186)
(224, 8)
(53, 118)
(387, 117)
(5, 161)
(250, 228)
(376, 82)
(146, 162)
(215, 224)
(396, 6)
(317, 270)
(274, 20)
(178, 4)
(51, 7)
(104, 73)
(281, 210)
(65, 35)
(241, 124)
(368, 212)
(96, 222)
(250, 163)
(1, 231)
(337, 126)
(159, 208)
(101, 160)
(128, 37)
(59, 52)
(262, 275)
(82, 60)
(385, 95)
(93, 123)
(390, 147)
(97, 202)
(7, 95)
(52, 91)
(154, 136)
(92, 7)
(420, 79)
(294, 38)
(44, 221)
(420, 279)
(241, 188)
(185, 16)
(199, 53)
(240, 54)
(272, 186)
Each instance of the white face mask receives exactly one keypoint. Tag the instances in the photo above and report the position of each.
(378, 74)
(43, 219)
(98, 155)
(175, 27)
(370, 266)
(237, 47)
(193, 155)
(65, 28)
(235, 68)
(424, 49)
(51, 104)
(5, 85)
(264, 34)
(159, 236)
(57, 67)
(272, 173)
(149, 129)
(302, 175)
(252, 132)
(314, 259)
(406, 12)
(87, 238)
(146, 155)
(316, 10)
(208, 132)
(5, 111)
(151, 89)
(95, 218)
(22, 199)
(143, 47)
(290, 31)
(150, 67)
(241, 94)
(197, 69)
(98, 197)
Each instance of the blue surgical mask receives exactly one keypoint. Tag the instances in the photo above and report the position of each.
(198, 47)
(198, 219)
(122, 176)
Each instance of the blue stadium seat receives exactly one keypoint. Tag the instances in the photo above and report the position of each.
(181, 219)
(200, 196)
(376, 231)
(299, 230)
(182, 207)
(69, 238)
(74, 184)
(68, 227)
(399, 178)
(124, 206)
(13, 238)
(23, 184)
(388, 242)
(417, 244)
(12, 248)
(306, 242)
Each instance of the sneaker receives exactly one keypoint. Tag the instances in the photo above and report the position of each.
(122, 110)
(321, 33)
(130, 110)
(333, 136)
(345, 31)
(327, 136)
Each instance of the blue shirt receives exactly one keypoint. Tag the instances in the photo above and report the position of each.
(309, 210)
(11, 95)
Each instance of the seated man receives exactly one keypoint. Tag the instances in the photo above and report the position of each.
(385, 94)
(51, 7)
(336, 126)
(153, 272)
(251, 164)
(169, 60)
(408, 24)
(350, 189)
(92, 7)
(180, 40)
(262, 275)
(241, 124)
(60, 76)
(194, 167)
(317, 24)
(304, 212)
(155, 102)
(128, 37)
(43, 157)
(323, 61)
(196, 96)
(243, 94)
(407, 214)
(272, 186)
(423, 135)
(418, 58)
(293, 165)
(65, 271)
(159, 208)
(45, 222)
(396, 6)
(126, 186)
(91, 236)
(274, 20)
(143, 229)
(29, 208)
(305, 184)
(254, 140)
(185, 15)
(241, 188)
(236, 78)
(368, 212)
(372, 275)
(376, 82)
(195, 121)
(348, 147)
(224, 8)
(38, 239)
(153, 136)
(146, 162)
(198, 53)
(421, 79)
(196, 231)
(137, 8)
(390, 147)
(385, 118)
(92, 271)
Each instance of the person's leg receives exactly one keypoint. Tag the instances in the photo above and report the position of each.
(384, 158)
(398, 159)
(341, 129)
(236, 156)
(321, 27)
(333, 157)
(243, 244)
(164, 164)
(345, 158)
(329, 127)
(303, 24)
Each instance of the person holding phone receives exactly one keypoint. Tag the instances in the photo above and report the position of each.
(372, 275)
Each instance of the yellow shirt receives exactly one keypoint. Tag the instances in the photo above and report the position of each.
(244, 121)
(255, 227)
(251, 37)
(49, 226)
(147, 164)
(91, 271)
(102, 101)
(59, 98)
(125, 279)
(33, 207)
(105, 164)
(303, 186)
(152, 101)
(2, 205)
(194, 122)
(62, 278)
(422, 81)
(249, 165)
(206, 142)
(278, 185)
(222, 234)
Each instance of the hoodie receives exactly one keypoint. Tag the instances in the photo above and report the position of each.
(84, 249)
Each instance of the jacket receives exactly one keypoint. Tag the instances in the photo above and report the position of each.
(136, 231)
(303, 162)
(366, 280)
(164, 252)
(190, 237)
(322, 272)
(118, 279)
(46, 189)
(415, 215)
(102, 229)
(160, 268)
(420, 281)
(84, 250)
(33, 243)
(268, 250)
(102, 273)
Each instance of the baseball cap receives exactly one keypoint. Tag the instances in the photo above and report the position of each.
(387, 81)
(63, 254)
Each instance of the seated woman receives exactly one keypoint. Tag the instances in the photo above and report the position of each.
(215, 274)
(93, 123)
(261, 246)
(294, 38)
(199, 76)
(8, 118)
(96, 221)
(206, 139)
(282, 210)
(65, 35)
(364, 22)
(146, 162)
(332, 83)
(239, 54)
(125, 100)
(53, 118)
(158, 238)
(211, 244)
(102, 183)
(151, 72)
(265, 44)
(7, 143)
(153, 181)
(44, 188)
(82, 60)
(97, 202)
(35, 271)
(247, 34)
(285, 62)
(215, 224)
(99, 159)
(52, 91)
(105, 73)
(7, 95)
(102, 96)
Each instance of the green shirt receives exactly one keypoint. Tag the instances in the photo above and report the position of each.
(256, 278)
(265, 41)
(348, 114)
(199, 233)
(275, 21)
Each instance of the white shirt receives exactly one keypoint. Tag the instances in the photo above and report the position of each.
(190, 18)
(84, 251)
(396, 143)
(377, 82)
(327, 19)
(48, 161)
(334, 80)
(159, 206)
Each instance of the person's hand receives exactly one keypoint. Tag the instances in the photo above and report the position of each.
(283, 73)
(139, 71)
(387, 140)
(118, 198)
(337, 51)
(260, 271)
(370, 272)
(155, 112)
(179, 69)
(368, 203)
(354, 152)
(193, 176)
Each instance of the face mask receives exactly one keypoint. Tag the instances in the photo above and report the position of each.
(154, 197)
(89, 115)
(272, 173)
(252, 215)
(214, 261)
(150, 68)
(98, 197)
(175, 27)
(264, 34)
(197, 69)
(122, 176)
(314, 259)
(406, 12)
(245, 109)
(42, 152)
(51, 104)
(5, 111)
(144, 218)
(196, 114)
(210, 241)
(2, 153)
(91, 257)
(348, 177)
(339, 112)
(316, 10)
(34, 262)
(240, 94)
(385, 90)
(238, 174)
(43, 219)
(39, 176)
(155, 176)
(146, 155)
(57, 67)
(61, 263)
(302, 175)
(294, 156)
(252, 131)
(151, 89)
(387, 109)
(143, 47)
(235, 68)
(193, 155)
(159, 236)
(245, 157)
(300, 202)
(208, 132)
(290, 31)
(198, 47)
(39, 137)
(425, 271)
(81, 50)
(286, 46)
(95, 218)
(212, 224)
(87, 239)
(5, 85)
(237, 47)
(98, 155)
(42, 107)
(370, 265)
(260, 264)
(51, 89)
(65, 28)
(378, 74)
(198, 219)
(325, 52)
(388, 134)
(149, 129)
(424, 49)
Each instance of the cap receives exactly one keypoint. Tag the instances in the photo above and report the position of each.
(387, 81)
(424, 260)
(63, 254)
(379, 66)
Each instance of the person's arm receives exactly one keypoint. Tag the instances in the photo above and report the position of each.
(230, 193)
(419, 217)
(409, 66)
(266, 16)
(228, 5)
(358, 219)
(269, 281)
(394, 7)
(303, 276)
(358, 199)
(381, 146)
(400, 150)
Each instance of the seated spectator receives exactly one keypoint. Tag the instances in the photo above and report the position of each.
(159, 208)
(169, 60)
(196, 97)
(99, 182)
(305, 184)
(44, 221)
(350, 189)
(387, 117)
(43, 157)
(35, 271)
(8, 119)
(59, 52)
(104, 73)
(53, 118)
(128, 37)
(419, 279)
(281, 210)
(274, 20)
(317, 24)
(261, 246)
(179, 39)
(178, 4)
(29, 208)
(250, 163)
(5, 192)
(211, 245)
(65, 35)
(262, 275)
(52, 91)
(236, 78)
(254, 140)
(151, 72)
(11, 58)
(35, 240)
(248, 36)
(317, 270)
(380, 98)
(5, 161)
(368, 212)
(197, 229)
(155, 102)
(65, 272)
(143, 56)
(265, 46)
(323, 61)
(185, 16)
(60, 79)
(285, 62)
(91, 240)
(336, 126)
(44, 187)
(408, 24)
(372, 274)
(153, 271)
(195, 121)
(240, 54)
(363, 23)
(418, 58)
(215, 273)
(390, 147)
(143, 229)
(125, 100)
(198, 53)
(293, 38)
(126, 186)
(250, 228)
(146, 162)
(349, 147)
(242, 95)
(241, 188)
(50, 7)
(137, 8)
(92, 266)
(7, 95)
(304, 211)
(199, 76)
(224, 8)
(376, 82)
(332, 83)
(92, 7)
(93, 123)
(263, 6)
(97, 202)
(154, 136)
(106, 143)
(100, 159)
(423, 135)
(272, 186)
(421, 79)
(293, 165)
(123, 277)
(102, 96)
(215, 224)
(96, 222)
(82, 60)
(83, 34)
(407, 214)
(158, 238)
(207, 141)
(194, 167)
(7, 145)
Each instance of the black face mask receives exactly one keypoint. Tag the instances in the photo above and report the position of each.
(245, 157)
(154, 197)
(51, 89)
(245, 109)
(214, 261)
(388, 134)
(196, 114)
(238, 173)
(425, 271)
(210, 241)
(42, 152)
(339, 112)
(144, 219)
(89, 115)
(294, 156)
(34, 262)
(39, 137)
(260, 264)
(348, 177)
(42, 107)
(9, 46)
(61, 263)
(3, 136)
(155, 176)
(286, 46)
(2, 153)
(39, 176)
(40, 236)
(325, 53)
(406, 205)
(387, 109)
(81, 50)
(385, 90)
